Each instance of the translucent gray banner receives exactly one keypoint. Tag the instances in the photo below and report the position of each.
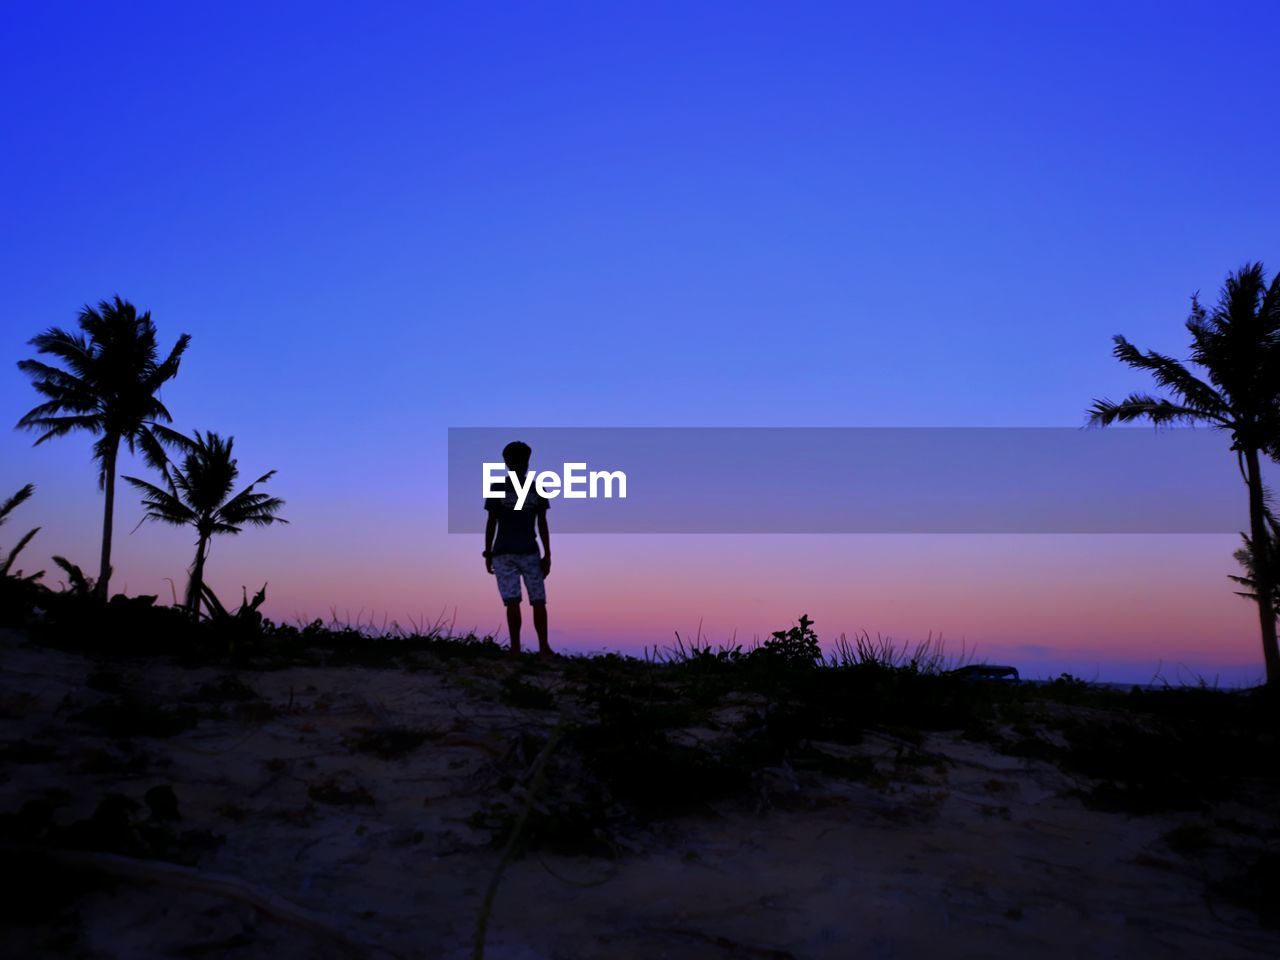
(862, 479)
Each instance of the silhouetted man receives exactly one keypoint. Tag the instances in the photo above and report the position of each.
(511, 551)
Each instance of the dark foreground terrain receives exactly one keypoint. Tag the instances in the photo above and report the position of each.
(320, 794)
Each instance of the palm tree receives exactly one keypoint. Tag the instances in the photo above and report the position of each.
(1237, 344)
(108, 387)
(199, 495)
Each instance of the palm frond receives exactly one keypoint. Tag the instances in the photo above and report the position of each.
(153, 440)
(60, 401)
(7, 565)
(71, 348)
(79, 582)
(172, 438)
(60, 426)
(150, 490)
(248, 496)
(260, 517)
(162, 505)
(55, 383)
(168, 369)
(1240, 295)
(216, 609)
(19, 498)
(1142, 406)
(1172, 375)
(6, 508)
(153, 453)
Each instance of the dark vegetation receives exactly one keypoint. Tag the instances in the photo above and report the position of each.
(1176, 748)
(779, 724)
(680, 733)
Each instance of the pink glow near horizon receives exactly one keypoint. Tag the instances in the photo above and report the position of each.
(1091, 604)
(1101, 604)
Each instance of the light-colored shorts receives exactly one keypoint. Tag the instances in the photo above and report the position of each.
(510, 567)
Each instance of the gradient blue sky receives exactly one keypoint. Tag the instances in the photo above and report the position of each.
(380, 223)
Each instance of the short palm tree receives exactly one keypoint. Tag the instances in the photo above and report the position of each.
(199, 495)
(1245, 557)
(1237, 344)
(108, 387)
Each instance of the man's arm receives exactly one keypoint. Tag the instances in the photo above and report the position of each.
(490, 528)
(545, 533)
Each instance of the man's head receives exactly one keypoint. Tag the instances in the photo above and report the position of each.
(516, 456)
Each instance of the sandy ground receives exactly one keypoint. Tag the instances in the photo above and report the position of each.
(986, 856)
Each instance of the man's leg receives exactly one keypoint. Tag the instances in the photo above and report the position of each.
(531, 570)
(508, 575)
(540, 625)
(513, 623)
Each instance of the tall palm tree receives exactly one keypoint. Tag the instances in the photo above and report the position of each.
(108, 387)
(1237, 344)
(199, 495)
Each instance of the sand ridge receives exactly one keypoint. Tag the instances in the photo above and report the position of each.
(373, 850)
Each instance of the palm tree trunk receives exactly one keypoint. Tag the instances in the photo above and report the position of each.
(1263, 575)
(104, 568)
(196, 586)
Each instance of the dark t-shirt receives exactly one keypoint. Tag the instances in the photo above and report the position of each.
(515, 527)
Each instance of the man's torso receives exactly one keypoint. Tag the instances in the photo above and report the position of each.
(516, 527)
